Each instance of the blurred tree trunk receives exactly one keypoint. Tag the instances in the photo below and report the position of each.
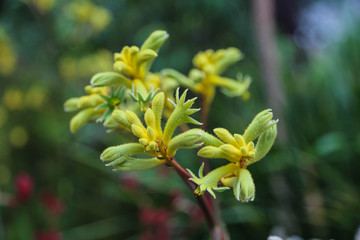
(263, 13)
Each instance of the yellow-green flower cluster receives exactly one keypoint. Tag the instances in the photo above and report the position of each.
(87, 105)
(206, 76)
(107, 102)
(132, 69)
(107, 89)
(86, 12)
(154, 141)
(241, 151)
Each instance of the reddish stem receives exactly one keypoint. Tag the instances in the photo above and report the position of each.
(204, 112)
(204, 203)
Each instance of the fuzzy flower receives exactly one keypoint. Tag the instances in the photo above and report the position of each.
(132, 65)
(154, 141)
(88, 106)
(108, 89)
(132, 70)
(241, 151)
(206, 76)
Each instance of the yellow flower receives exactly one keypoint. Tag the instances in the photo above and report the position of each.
(206, 77)
(241, 151)
(132, 66)
(211, 62)
(153, 140)
(132, 61)
(88, 105)
(132, 72)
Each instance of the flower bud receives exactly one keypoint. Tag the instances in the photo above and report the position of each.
(117, 154)
(157, 107)
(132, 118)
(230, 56)
(137, 164)
(81, 118)
(265, 142)
(145, 56)
(150, 133)
(138, 131)
(247, 186)
(211, 152)
(92, 100)
(120, 117)
(210, 140)
(155, 40)
(260, 124)
(242, 184)
(225, 136)
(150, 118)
(71, 105)
(189, 139)
(122, 67)
(110, 78)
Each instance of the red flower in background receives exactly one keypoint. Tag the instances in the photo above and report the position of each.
(24, 187)
(155, 221)
(129, 182)
(47, 235)
(52, 203)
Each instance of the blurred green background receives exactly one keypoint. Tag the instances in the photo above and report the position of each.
(52, 183)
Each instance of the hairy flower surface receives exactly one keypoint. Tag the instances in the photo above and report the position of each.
(87, 105)
(241, 151)
(132, 70)
(107, 89)
(154, 141)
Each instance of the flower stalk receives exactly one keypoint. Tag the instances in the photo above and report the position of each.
(150, 106)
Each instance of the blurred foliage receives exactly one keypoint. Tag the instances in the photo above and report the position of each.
(52, 183)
